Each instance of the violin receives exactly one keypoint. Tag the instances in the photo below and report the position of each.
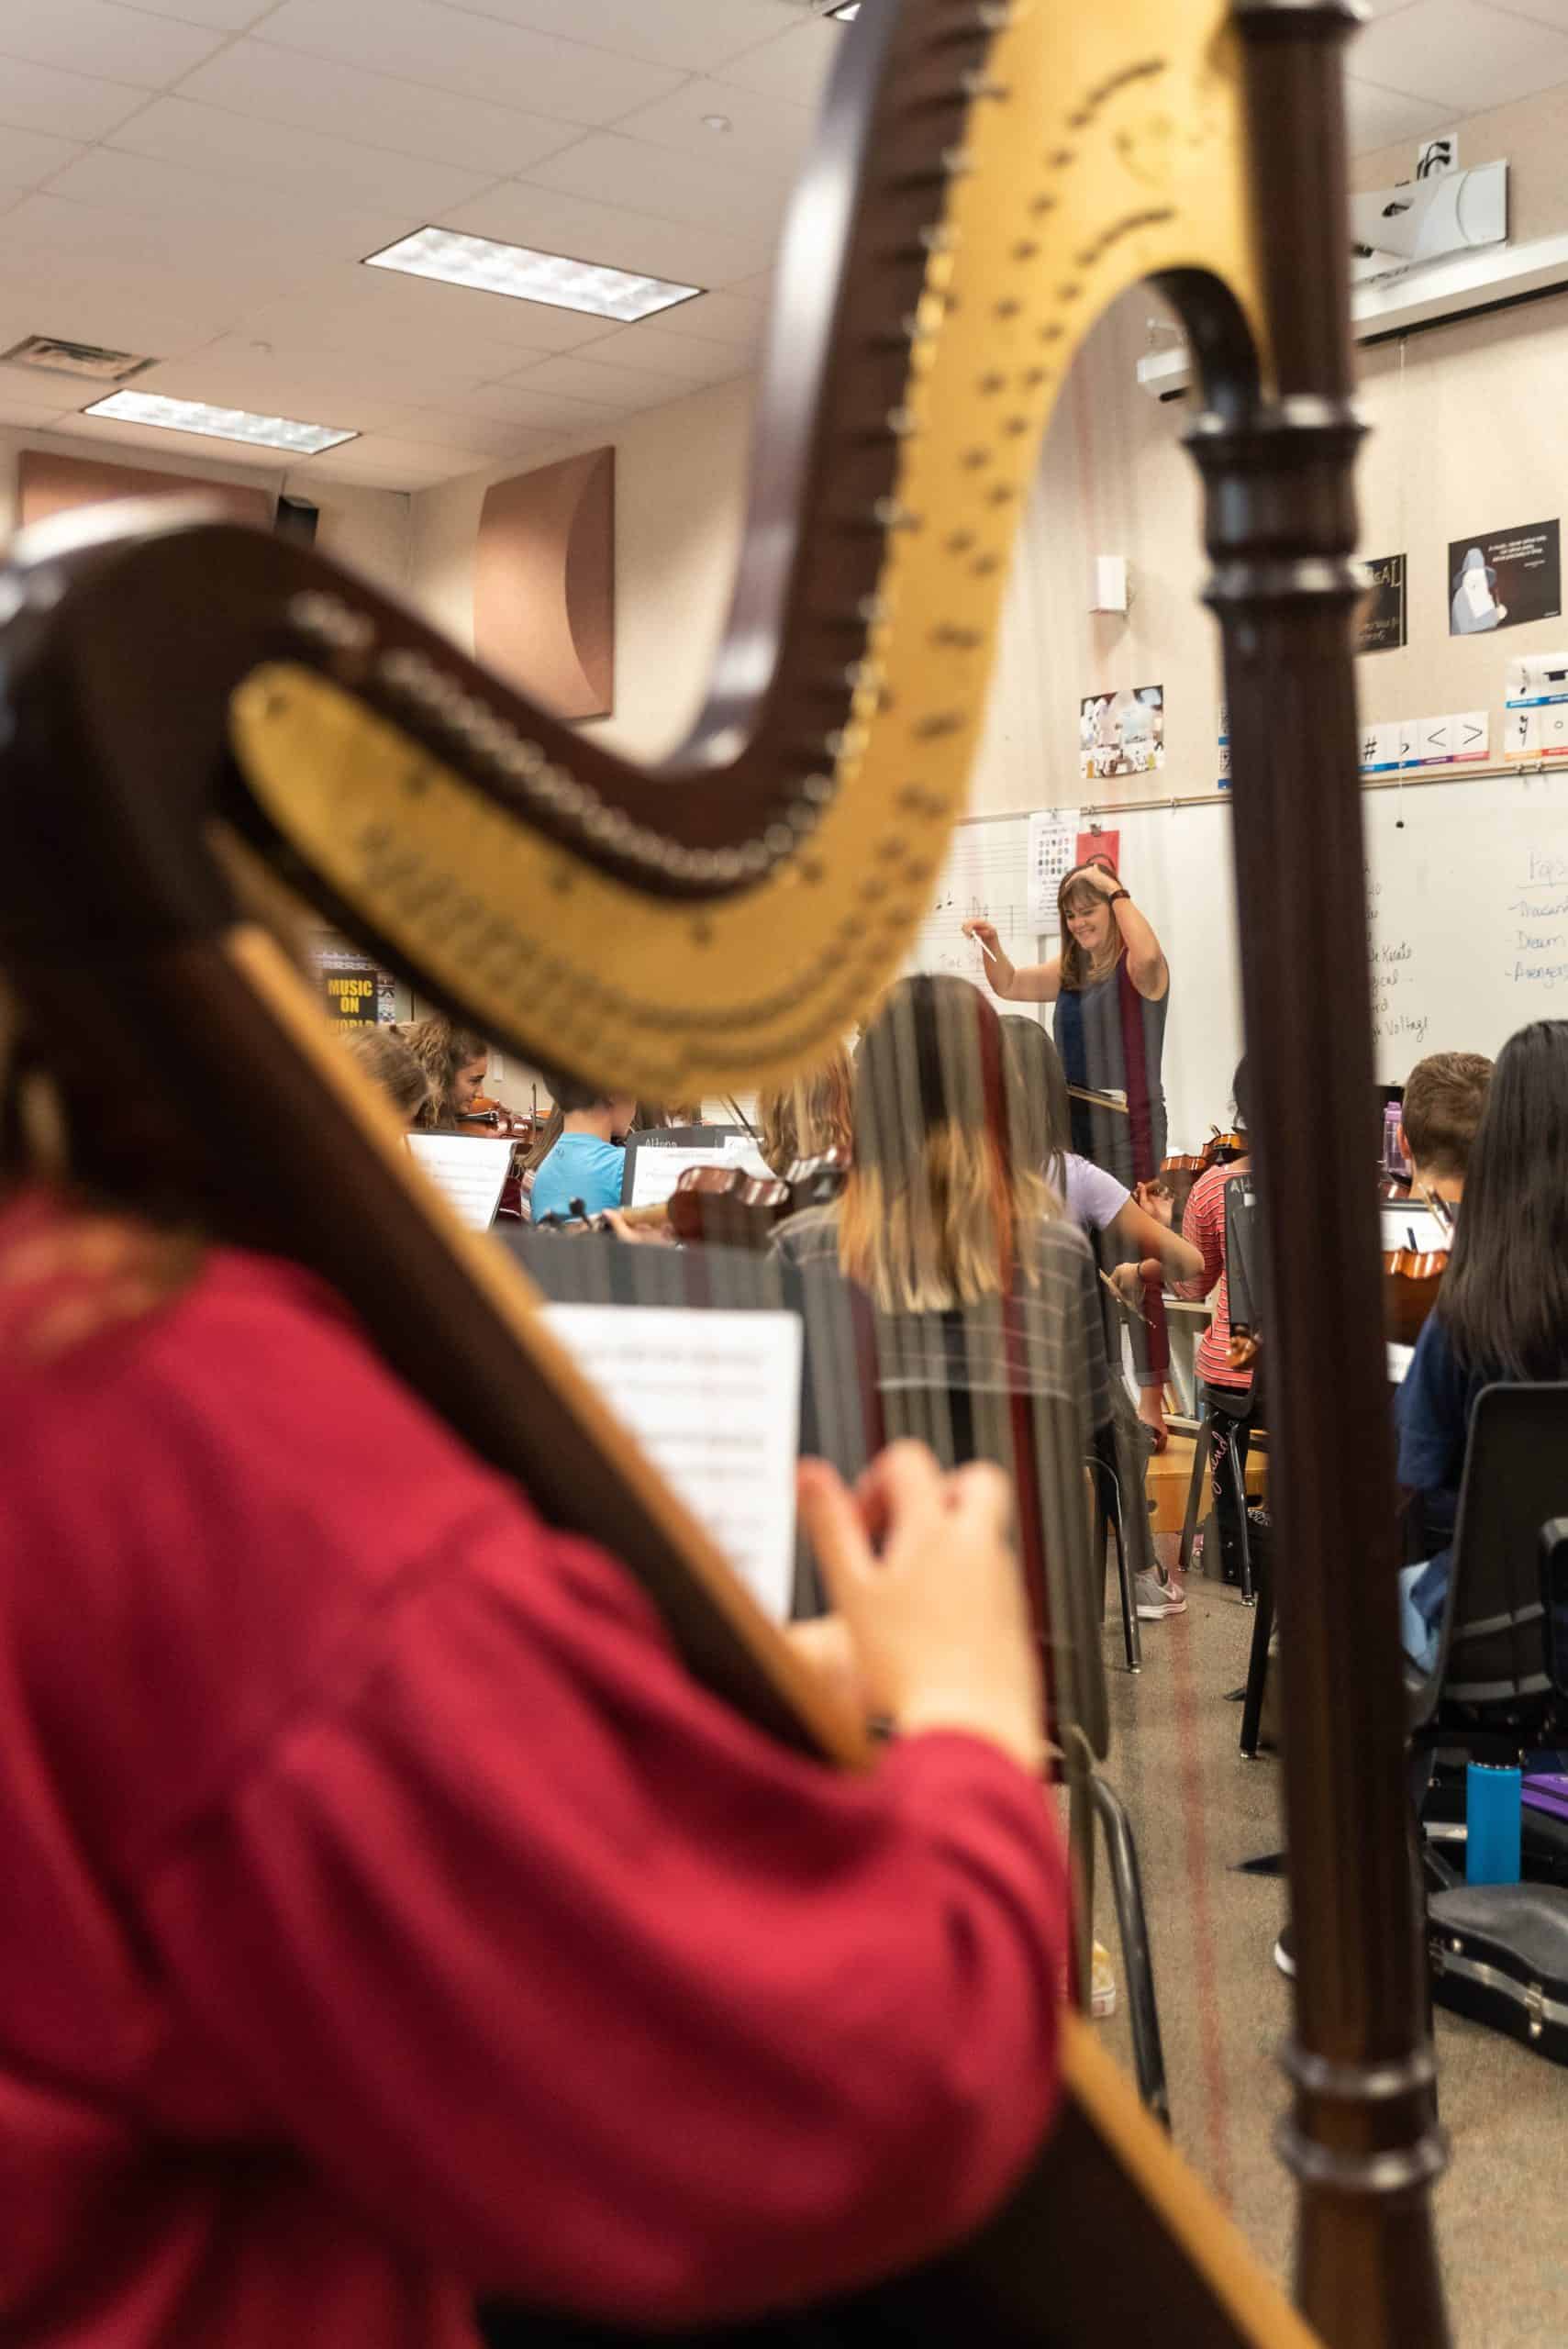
(1180, 1172)
(726, 1207)
(1412, 1276)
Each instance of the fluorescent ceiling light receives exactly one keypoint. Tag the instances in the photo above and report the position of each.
(219, 423)
(848, 11)
(530, 276)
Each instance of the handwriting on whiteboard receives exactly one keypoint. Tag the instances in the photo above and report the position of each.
(985, 879)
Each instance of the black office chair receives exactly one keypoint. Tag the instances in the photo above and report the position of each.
(1490, 1688)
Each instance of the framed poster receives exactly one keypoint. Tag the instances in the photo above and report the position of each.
(1380, 621)
(1503, 578)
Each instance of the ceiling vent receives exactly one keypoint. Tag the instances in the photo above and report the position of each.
(86, 362)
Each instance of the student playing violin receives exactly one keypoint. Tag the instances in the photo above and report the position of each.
(1231, 1395)
(1444, 1097)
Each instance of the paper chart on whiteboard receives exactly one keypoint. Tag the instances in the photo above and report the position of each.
(985, 879)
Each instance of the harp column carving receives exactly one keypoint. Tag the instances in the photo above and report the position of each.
(1362, 2139)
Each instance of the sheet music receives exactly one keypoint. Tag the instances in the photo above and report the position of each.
(985, 878)
(469, 1169)
(656, 1172)
(1406, 1223)
(712, 1396)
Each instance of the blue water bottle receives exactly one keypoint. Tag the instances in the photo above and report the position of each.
(1491, 1824)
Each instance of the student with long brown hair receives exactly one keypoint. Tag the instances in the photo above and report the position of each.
(454, 1059)
(1502, 1312)
(809, 1116)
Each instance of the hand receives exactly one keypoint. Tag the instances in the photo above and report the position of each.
(920, 1566)
(1155, 1200)
(1128, 1282)
(1152, 1411)
(638, 1235)
(998, 969)
(1100, 876)
(825, 1643)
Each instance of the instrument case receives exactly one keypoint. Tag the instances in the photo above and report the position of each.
(1499, 1955)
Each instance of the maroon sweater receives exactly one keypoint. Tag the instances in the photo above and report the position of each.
(386, 1915)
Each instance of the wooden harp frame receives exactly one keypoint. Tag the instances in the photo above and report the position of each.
(991, 173)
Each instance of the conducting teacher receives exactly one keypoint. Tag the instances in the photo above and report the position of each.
(1110, 984)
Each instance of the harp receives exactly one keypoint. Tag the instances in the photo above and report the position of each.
(989, 174)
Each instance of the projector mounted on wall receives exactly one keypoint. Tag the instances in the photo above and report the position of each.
(1431, 249)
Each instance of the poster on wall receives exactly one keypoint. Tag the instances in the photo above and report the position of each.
(1504, 578)
(1121, 732)
(1380, 621)
(1053, 839)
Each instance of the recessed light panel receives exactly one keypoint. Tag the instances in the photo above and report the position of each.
(530, 276)
(848, 11)
(220, 423)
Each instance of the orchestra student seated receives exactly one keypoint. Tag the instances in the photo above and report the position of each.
(1444, 1097)
(391, 1919)
(454, 1059)
(1144, 1245)
(810, 1117)
(980, 1292)
(586, 1164)
(384, 1056)
(1502, 1312)
(1233, 1396)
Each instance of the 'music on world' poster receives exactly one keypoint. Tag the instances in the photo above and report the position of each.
(1502, 578)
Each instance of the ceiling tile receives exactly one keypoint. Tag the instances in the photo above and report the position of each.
(263, 391)
(1540, 12)
(122, 44)
(478, 56)
(417, 378)
(29, 156)
(380, 461)
(521, 214)
(738, 320)
(313, 93)
(1461, 55)
(768, 134)
(481, 436)
(1377, 117)
(208, 139)
(608, 169)
(539, 411)
(695, 34)
(376, 311)
(200, 203)
(128, 310)
(795, 66)
(225, 15)
(619, 387)
(72, 105)
(685, 357)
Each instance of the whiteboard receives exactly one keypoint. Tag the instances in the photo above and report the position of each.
(1468, 893)
(985, 878)
(1468, 889)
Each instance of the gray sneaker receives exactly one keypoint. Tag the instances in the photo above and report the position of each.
(1156, 1599)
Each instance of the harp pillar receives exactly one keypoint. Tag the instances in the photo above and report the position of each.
(1362, 2139)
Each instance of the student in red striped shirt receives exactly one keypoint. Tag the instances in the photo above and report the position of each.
(1232, 1392)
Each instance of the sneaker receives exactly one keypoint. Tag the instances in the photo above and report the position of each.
(1284, 1952)
(1156, 1599)
(1102, 1986)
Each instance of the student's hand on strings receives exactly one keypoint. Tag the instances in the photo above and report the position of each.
(825, 1642)
(1155, 1200)
(638, 1235)
(920, 1566)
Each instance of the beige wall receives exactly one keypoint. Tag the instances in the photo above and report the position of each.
(369, 529)
(680, 483)
(1465, 436)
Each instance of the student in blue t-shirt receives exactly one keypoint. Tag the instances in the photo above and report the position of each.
(589, 1160)
(1502, 1312)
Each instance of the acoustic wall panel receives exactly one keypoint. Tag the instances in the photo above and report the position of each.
(50, 483)
(544, 595)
